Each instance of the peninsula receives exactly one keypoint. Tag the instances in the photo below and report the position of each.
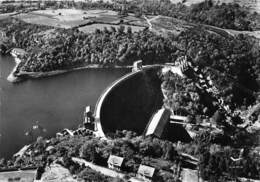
(61, 40)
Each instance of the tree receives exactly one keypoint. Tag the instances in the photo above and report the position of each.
(2, 162)
(121, 30)
(129, 30)
(3, 49)
(88, 151)
(90, 175)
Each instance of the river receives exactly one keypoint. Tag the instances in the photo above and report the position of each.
(56, 102)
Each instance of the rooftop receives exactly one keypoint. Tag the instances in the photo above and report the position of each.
(115, 160)
(146, 170)
(158, 122)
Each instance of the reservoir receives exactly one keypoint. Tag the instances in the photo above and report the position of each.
(56, 102)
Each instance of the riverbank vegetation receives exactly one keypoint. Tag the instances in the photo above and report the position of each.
(62, 48)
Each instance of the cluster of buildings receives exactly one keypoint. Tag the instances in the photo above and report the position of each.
(87, 129)
(144, 173)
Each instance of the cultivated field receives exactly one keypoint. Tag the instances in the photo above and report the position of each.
(89, 20)
(63, 18)
(5, 15)
(93, 27)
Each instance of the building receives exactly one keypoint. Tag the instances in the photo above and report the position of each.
(178, 119)
(50, 149)
(137, 65)
(65, 132)
(146, 173)
(158, 123)
(88, 122)
(28, 175)
(22, 151)
(87, 114)
(115, 162)
(17, 52)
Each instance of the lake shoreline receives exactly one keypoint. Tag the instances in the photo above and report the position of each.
(56, 102)
(14, 77)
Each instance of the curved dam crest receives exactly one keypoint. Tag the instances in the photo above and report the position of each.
(129, 102)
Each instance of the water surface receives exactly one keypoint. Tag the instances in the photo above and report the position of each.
(56, 102)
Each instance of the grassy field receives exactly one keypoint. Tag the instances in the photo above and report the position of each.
(5, 15)
(69, 18)
(63, 18)
(164, 24)
(92, 28)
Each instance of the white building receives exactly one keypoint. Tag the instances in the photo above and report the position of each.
(158, 123)
(146, 173)
(115, 162)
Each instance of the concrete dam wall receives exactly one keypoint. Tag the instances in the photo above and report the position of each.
(129, 102)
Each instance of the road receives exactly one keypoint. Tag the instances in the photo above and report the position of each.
(103, 170)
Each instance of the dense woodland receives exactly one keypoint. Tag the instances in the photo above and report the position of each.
(230, 16)
(136, 150)
(61, 48)
(233, 65)
(215, 159)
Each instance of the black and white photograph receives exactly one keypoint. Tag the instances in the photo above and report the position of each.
(129, 90)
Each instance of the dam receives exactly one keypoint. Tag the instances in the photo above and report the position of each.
(138, 94)
(130, 103)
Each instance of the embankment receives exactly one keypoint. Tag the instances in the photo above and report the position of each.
(12, 76)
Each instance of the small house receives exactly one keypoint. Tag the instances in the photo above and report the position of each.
(146, 173)
(137, 65)
(115, 162)
(17, 52)
(50, 149)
